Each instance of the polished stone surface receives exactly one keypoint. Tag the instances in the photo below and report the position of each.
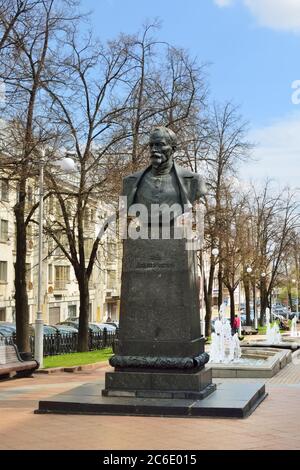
(159, 384)
(230, 400)
(159, 300)
(160, 347)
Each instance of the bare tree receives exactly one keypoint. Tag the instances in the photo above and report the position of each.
(107, 101)
(227, 147)
(276, 218)
(27, 127)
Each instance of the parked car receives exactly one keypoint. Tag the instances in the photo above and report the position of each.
(12, 328)
(75, 324)
(5, 331)
(244, 317)
(47, 330)
(284, 313)
(108, 326)
(113, 323)
(65, 329)
(9, 325)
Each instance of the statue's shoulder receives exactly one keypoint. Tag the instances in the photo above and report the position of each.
(135, 175)
(185, 173)
(130, 181)
(193, 182)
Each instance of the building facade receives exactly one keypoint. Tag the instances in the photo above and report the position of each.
(59, 285)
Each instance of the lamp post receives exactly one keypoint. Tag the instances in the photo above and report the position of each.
(215, 253)
(67, 164)
(39, 323)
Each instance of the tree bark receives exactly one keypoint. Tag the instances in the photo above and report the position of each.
(220, 287)
(232, 306)
(290, 300)
(263, 301)
(247, 300)
(21, 297)
(208, 299)
(83, 333)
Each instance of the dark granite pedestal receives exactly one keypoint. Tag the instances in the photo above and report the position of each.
(230, 400)
(160, 358)
(159, 384)
(160, 350)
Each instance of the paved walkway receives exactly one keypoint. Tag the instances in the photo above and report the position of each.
(274, 425)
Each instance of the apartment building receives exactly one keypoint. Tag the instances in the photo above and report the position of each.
(59, 285)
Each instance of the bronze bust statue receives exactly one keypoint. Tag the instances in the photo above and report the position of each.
(163, 182)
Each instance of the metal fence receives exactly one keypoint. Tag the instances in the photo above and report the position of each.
(64, 343)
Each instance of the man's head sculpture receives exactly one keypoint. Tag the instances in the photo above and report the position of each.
(162, 143)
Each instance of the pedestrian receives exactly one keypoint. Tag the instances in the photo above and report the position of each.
(236, 324)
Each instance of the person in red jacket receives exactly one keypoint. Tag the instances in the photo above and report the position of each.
(236, 324)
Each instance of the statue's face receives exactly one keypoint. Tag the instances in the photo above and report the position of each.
(160, 149)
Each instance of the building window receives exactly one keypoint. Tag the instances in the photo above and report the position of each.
(51, 204)
(111, 251)
(4, 189)
(72, 311)
(111, 279)
(30, 195)
(15, 236)
(3, 230)
(3, 271)
(2, 314)
(86, 218)
(28, 273)
(62, 277)
(29, 231)
(50, 274)
(88, 246)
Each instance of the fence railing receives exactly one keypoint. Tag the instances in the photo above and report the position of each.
(64, 343)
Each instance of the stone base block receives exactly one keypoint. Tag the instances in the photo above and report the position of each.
(166, 384)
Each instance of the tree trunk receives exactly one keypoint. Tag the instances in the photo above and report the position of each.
(263, 301)
(254, 298)
(290, 301)
(247, 300)
(232, 306)
(83, 333)
(208, 299)
(220, 287)
(208, 308)
(21, 298)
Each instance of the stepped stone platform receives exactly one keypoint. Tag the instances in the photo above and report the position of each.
(230, 400)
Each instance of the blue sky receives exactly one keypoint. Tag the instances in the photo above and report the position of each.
(253, 47)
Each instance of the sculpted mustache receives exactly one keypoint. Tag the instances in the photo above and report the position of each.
(155, 155)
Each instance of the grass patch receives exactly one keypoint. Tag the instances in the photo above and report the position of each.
(77, 359)
(262, 330)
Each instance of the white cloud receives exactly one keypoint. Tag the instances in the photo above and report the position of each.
(224, 3)
(282, 15)
(276, 14)
(277, 153)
